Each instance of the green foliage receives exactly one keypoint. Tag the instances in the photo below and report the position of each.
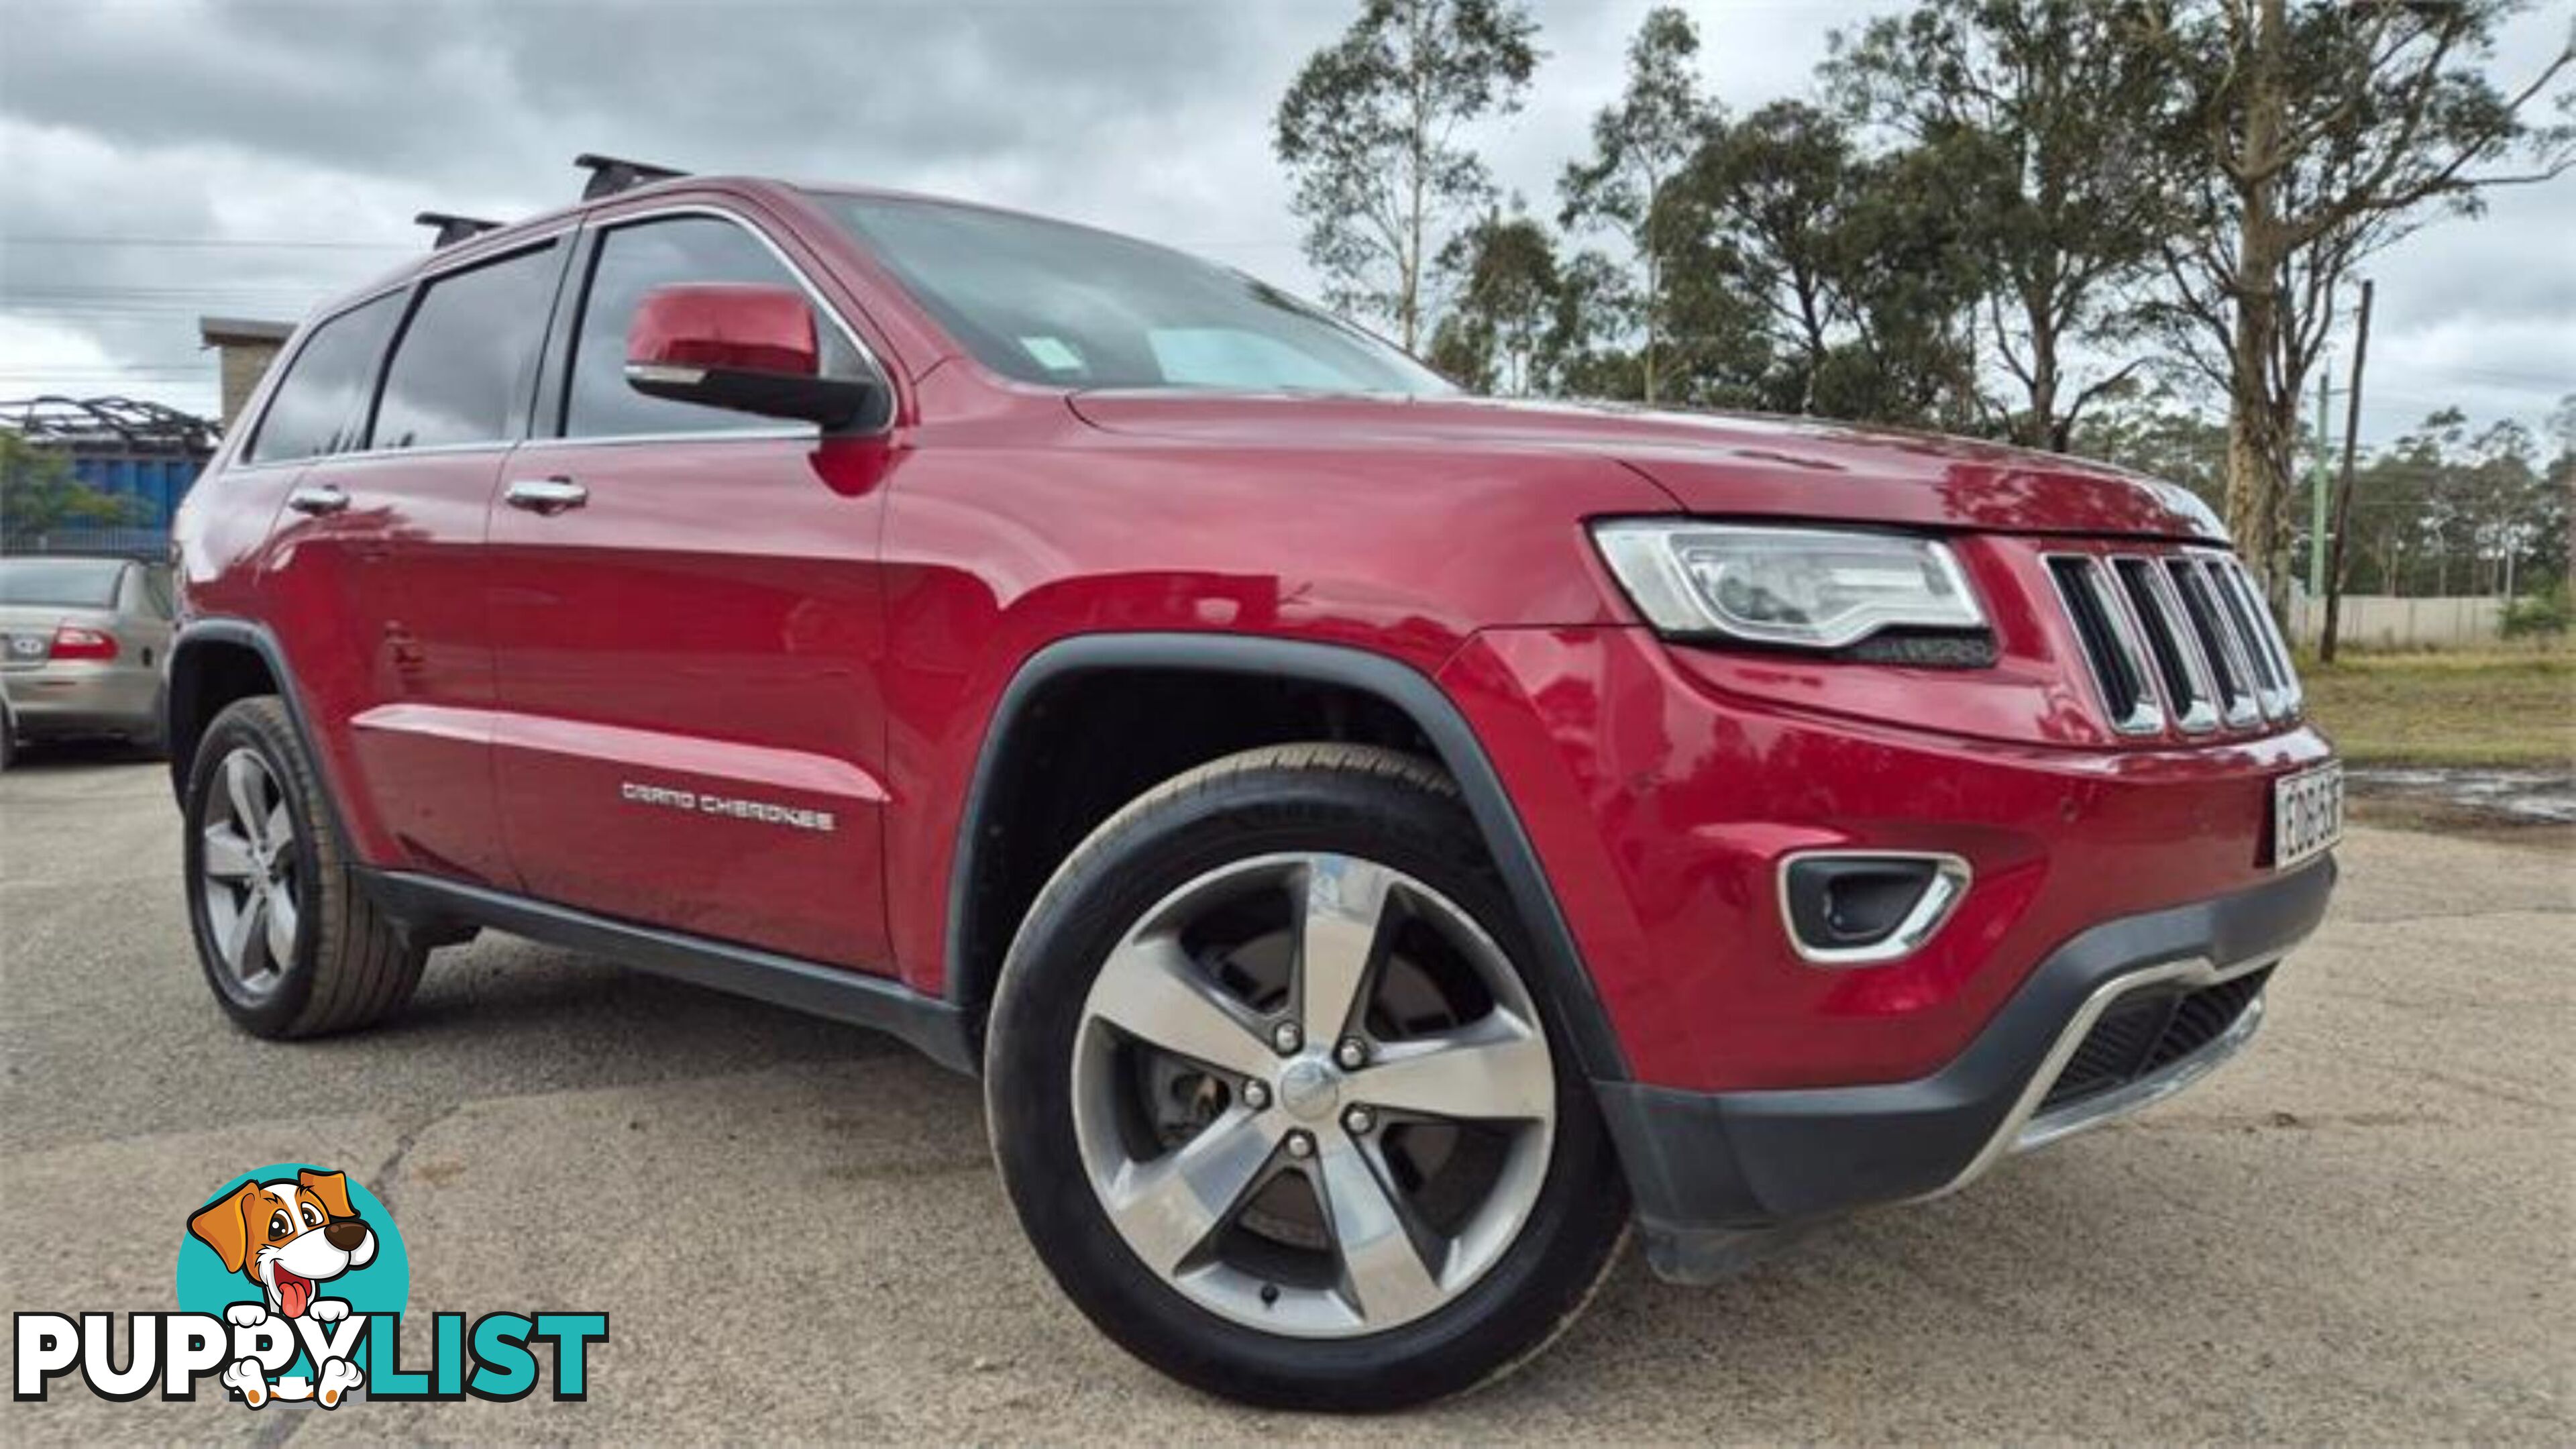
(2544, 615)
(1820, 279)
(2160, 433)
(2452, 509)
(1370, 130)
(1492, 339)
(38, 494)
(2030, 112)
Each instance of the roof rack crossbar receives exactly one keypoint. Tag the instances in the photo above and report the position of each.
(453, 228)
(610, 175)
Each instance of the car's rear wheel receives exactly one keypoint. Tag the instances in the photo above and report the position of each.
(1275, 1102)
(288, 938)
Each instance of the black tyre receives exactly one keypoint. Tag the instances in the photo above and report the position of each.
(1275, 1102)
(289, 940)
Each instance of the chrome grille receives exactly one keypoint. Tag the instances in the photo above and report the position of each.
(2176, 641)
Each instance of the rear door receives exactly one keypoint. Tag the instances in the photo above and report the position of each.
(687, 627)
(381, 563)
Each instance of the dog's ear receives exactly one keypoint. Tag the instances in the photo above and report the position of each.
(331, 1187)
(224, 1225)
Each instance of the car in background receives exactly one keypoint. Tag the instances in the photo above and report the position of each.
(84, 649)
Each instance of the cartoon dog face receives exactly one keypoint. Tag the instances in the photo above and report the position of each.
(287, 1236)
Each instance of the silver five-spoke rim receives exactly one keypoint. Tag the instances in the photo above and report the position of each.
(248, 874)
(1313, 1095)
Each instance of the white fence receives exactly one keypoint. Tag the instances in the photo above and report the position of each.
(2385, 621)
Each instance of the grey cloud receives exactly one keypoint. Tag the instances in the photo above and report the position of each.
(336, 121)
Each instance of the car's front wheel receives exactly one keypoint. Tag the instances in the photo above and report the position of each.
(1275, 1102)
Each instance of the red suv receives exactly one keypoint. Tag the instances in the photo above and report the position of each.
(1376, 844)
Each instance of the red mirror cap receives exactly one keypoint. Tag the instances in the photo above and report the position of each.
(723, 326)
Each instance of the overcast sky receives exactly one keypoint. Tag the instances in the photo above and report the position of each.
(163, 160)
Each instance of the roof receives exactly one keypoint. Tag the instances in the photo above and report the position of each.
(115, 425)
(220, 331)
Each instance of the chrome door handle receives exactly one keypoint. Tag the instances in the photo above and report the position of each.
(318, 499)
(546, 495)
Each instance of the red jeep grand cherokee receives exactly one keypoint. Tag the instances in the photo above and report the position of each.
(1376, 844)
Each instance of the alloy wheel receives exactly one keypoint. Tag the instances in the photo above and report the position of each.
(1312, 1095)
(248, 874)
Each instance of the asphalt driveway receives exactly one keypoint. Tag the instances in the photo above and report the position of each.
(2359, 1232)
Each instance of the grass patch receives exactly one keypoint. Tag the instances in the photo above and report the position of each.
(2502, 708)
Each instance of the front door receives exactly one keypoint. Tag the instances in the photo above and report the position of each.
(687, 625)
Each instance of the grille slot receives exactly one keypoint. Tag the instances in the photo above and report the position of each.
(2146, 1034)
(2218, 643)
(2235, 602)
(2267, 634)
(2179, 669)
(2102, 627)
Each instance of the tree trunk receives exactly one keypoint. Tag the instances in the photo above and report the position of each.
(1654, 285)
(2259, 434)
(2258, 445)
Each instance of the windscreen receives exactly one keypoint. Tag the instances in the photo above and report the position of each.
(1051, 303)
(65, 583)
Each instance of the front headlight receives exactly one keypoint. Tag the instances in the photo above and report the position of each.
(1811, 588)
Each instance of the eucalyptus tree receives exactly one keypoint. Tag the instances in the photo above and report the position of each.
(2039, 107)
(2308, 137)
(1640, 145)
(1506, 301)
(1373, 130)
(1852, 273)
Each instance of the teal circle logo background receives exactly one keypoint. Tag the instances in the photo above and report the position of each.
(382, 1286)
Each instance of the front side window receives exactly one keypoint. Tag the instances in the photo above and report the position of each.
(633, 260)
(1049, 302)
(321, 402)
(468, 356)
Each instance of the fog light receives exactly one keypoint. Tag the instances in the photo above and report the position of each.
(1859, 908)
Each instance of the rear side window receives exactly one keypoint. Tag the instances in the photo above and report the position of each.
(633, 260)
(61, 583)
(321, 402)
(468, 356)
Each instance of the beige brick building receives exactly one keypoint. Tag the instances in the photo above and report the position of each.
(244, 348)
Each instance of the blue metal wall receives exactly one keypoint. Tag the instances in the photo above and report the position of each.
(160, 480)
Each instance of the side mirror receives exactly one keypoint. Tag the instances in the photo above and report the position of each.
(748, 348)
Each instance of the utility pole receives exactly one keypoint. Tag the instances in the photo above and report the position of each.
(2343, 491)
(2317, 492)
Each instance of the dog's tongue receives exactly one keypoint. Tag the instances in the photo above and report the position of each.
(293, 1293)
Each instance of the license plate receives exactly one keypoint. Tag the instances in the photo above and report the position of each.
(2307, 814)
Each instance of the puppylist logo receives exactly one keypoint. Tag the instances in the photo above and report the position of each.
(291, 1285)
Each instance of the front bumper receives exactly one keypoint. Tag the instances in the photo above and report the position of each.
(1707, 1168)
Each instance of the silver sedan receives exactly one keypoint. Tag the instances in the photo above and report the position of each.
(83, 646)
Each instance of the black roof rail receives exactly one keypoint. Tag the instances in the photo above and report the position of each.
(453, 228)
(610, 175)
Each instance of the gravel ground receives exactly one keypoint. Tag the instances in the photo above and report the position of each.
(2359, 1232)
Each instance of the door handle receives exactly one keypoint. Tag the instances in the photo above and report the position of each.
(546, 495)
(318, 499)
